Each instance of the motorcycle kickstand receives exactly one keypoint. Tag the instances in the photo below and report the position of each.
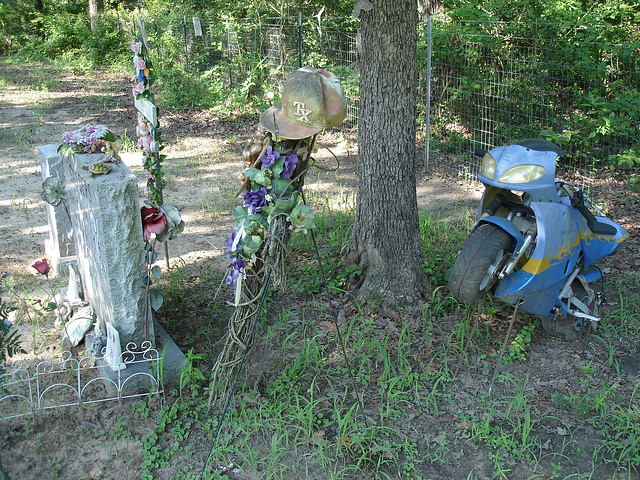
(466, 347)
(504, 345)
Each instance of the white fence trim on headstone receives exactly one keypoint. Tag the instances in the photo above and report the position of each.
(67, 381)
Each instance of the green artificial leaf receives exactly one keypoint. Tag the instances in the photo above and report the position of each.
(242, 217)
(240, 213)
(257, 176)
(155, 298)
(281, 187)
(251, 173)
(302, 217)
(109, 137)
(285, 205)
(262, 179)
(278, 166)
(156, 271)
(251, 245)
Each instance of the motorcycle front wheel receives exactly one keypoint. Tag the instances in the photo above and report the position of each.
(479, 263)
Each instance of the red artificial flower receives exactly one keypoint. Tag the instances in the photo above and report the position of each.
(42, 266)
(153, 221)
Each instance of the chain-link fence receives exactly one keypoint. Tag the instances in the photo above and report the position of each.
(483, 85)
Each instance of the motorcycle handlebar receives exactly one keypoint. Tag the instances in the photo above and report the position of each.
(577, 202)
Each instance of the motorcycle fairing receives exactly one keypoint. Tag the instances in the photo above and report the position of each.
(505, 225)
(540, 153)
(563, 238)
(595, 246)
(555, 254)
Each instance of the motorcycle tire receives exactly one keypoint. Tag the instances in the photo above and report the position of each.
(485, 253)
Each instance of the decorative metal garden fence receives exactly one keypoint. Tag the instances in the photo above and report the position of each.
(483, 84)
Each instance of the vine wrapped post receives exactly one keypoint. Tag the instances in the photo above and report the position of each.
(275, 163)
(268, 231)
(157, 217)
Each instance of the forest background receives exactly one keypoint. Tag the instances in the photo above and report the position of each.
(565, 70)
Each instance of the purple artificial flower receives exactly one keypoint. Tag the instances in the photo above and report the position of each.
(230, 241)
(290, 163)
(68, 137)
(255, 200)
(270, 157)
(237, 266)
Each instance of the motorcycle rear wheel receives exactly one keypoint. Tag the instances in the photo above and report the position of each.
(481, 259)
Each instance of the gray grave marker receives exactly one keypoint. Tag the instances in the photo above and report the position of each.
(59, 247)
(105, 213)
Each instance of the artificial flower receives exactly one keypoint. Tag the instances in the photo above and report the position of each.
(255, 200)
(144, 142)
(89, 139)
(270, 157)
(175, 224)
(42, 266)
(143, 127)
(237, 268)
(230, 243)
(290, 162)
(53, 191)
(153, 221)
(138, 89)
(141, 64)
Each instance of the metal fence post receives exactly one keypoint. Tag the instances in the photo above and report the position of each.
(299, 39)
(229, 53)
(186, 49)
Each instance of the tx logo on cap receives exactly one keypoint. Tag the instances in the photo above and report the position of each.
(301, 112)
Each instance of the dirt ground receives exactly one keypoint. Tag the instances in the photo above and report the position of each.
(203, 163)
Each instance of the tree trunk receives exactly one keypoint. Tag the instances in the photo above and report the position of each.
(95, 7)
(386, 236)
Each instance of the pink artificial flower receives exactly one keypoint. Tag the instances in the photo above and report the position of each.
(143, 128)
(138, 89)
(135, 47)
(42, 266)
(153, 221)
(144, 142)
(140, 64)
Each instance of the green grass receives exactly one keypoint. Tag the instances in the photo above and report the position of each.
(344, 390)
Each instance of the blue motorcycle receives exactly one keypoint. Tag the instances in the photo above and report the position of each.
(536, 241)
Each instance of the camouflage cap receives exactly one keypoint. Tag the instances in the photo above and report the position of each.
(312, 100)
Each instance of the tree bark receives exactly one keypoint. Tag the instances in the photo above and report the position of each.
(95, 7)
(386, 235)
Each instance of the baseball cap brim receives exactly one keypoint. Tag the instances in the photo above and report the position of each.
(274, 121)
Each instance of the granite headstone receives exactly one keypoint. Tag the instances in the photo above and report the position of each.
(107, 226)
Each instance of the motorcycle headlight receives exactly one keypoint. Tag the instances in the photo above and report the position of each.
(488, 166)
(522, 174)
